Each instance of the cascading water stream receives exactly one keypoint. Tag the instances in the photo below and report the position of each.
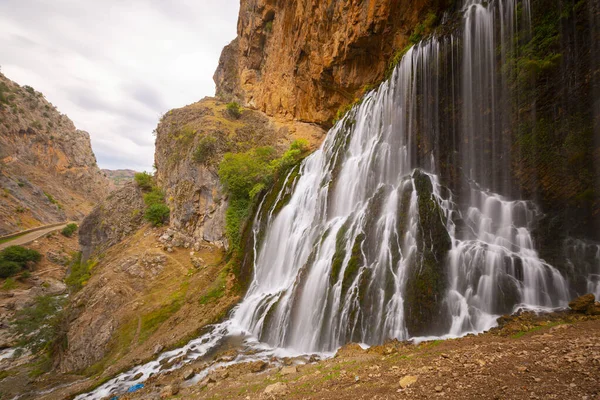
(371, 245)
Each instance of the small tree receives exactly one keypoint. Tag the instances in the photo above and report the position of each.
(155, 196)
(205, 150)
(9, 268)
(69, 230)
(20, 255)
(157, 214)
(144, 180)
(234, 109)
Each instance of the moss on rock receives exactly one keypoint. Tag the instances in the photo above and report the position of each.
(427, 281)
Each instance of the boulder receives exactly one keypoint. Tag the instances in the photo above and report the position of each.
(583, 303)
(276, 389)
(288, 370)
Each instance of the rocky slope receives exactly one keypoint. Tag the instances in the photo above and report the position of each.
(305, 59)
(528, 357)
(48, 172)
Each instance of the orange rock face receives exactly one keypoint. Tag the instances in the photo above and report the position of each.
(306, 59)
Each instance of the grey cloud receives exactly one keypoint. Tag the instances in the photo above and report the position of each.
(113, 67)
(147, 96)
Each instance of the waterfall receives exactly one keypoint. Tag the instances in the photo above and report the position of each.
(404, 223)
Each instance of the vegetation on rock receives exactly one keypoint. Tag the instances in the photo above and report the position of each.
(41, 326)
(157, 212)
(246, 175)
(69, 229)
(144, 180)
(14, 259)
(80, 272)
(234, 109)
(205, 150)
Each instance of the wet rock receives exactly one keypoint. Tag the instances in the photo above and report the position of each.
(188, 374)
(258, 366)
(408, 380)
(583, 303)
(426, 277)
(276, 389)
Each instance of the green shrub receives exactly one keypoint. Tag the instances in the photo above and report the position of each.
(157, 214)
(245, 175)
(240, 172)
(52, 199)
(206, 150)
(69, 230)
(155, 196)
(29, 89)
(80, 272)
(234, 109)
(36, 124)
(144, 180)
(9, 268)
(25, 275)
(9, 284)
(20, 255)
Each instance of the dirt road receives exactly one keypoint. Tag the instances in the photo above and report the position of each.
(30, 237)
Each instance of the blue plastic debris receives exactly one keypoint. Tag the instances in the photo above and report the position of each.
(135, 388)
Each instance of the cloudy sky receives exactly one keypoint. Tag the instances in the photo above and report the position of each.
(114, 66)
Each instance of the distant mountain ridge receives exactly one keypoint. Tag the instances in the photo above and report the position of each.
(48, 171)
(119, 177)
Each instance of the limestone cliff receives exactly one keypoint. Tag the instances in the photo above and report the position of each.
(189, 177)
(48, 172)
(305, 59)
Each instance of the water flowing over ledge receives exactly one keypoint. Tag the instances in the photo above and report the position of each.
(378, 239)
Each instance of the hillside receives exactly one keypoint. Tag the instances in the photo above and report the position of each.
(48, 171)
(119, 177)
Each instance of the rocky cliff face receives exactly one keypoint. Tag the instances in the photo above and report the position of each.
(189, 145)
(48, 172)
(118, 216)
(306, 59)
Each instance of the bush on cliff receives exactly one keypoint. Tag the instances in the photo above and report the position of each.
(157, 214)
(246, 175)
(69, 230)
(144, 180)
(206, 149)
(234, 109)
